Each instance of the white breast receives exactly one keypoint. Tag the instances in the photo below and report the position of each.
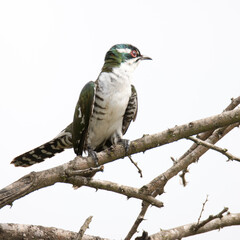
(115, 90)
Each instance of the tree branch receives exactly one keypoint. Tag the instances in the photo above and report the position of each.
(230, 219)
(11, 231)
(224, 151)
(199, 224)
(156, 186)
(160, 181)
(114, 187)
(203, 136)
(37, 180)
(202, 210)
(83, 228)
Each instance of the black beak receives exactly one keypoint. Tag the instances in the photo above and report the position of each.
(145, 58)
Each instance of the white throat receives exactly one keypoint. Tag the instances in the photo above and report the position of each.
(126, 68)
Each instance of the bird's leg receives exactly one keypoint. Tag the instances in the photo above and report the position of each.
(93, 155)
(117, 138)
(125, 143)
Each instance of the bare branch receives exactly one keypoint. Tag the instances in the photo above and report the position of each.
(186, 230)
(203, 136)
(156, 186)
(83, 228)
(17, 231)
(135, 164)
(138, 221)
(160, 181)
(114, 187)
(37, 180)
(197, 226)
(224, 151)
(202, 210)
(11, 231)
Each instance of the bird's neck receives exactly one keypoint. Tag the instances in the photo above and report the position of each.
(118, 78)
(124, 70)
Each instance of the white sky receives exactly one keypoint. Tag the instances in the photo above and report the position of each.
(50, 49)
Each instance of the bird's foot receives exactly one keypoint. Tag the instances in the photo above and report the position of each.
(93, 155)
(126, 144)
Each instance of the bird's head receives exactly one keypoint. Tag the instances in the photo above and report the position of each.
(123, 54)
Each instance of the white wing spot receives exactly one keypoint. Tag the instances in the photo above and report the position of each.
(79, 112)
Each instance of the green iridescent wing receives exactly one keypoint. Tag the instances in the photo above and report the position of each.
(82, 114)
(131, 110)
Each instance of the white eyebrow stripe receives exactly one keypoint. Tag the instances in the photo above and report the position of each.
(124, 50)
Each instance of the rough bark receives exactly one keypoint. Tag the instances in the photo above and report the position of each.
(10, 231)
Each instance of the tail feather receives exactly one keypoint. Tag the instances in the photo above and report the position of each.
(47, 150)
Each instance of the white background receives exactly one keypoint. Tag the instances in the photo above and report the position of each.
(50, 49)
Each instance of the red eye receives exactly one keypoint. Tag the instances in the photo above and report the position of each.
(134, 53)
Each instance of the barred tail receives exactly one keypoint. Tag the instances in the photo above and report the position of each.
(47, 150)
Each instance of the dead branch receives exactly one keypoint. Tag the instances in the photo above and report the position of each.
(156, 186)
(11, 231)
(135, 164)
(38, 180)
(160, 181)
(203, 136)
(197, 226)
(202, 210)
(114, 187)
(224, 151)
(230, 219)
(83, 228)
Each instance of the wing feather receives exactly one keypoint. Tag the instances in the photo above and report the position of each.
(82, 114)
(131, 110)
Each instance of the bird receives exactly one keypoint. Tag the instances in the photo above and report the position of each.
(103, 113)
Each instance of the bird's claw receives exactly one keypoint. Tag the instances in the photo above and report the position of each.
(126, 144)
(93, 155)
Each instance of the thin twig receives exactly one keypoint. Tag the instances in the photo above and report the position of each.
(83, 228)
(197, 226)
(135, 164)
(202, 210)
(224, 151)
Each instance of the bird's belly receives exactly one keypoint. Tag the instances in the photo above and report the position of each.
(103, 126)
